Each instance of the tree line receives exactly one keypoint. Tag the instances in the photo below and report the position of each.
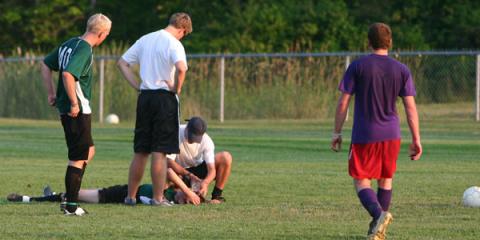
(231, 26)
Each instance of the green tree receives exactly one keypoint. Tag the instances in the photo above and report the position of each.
(40, 24)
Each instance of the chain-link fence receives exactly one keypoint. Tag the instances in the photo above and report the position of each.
(255, 86)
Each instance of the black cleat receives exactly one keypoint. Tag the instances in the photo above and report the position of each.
(47, 191)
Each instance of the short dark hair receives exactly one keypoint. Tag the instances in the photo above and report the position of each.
(380, 36)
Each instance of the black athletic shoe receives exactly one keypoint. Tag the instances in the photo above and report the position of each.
(13, 197)
(130, 201)
(47, 191)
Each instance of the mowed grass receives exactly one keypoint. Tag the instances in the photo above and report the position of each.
(286, 184)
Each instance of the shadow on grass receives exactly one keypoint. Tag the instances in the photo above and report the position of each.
(352, 237)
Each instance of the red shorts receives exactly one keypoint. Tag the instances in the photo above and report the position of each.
(373, 160)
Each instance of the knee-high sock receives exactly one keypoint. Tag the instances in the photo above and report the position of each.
(384, 198)
(83, 168)
(73, 182)
(369, 200)
(51, 198)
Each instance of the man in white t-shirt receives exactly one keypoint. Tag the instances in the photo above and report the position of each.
(197, 156)
(160, 54)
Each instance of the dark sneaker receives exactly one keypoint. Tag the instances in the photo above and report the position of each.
(13, 197)
(379, 229)
(78, 212)
(47, 191)
(163, 203)
(130, 201)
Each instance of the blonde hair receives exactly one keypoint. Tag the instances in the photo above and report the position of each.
(98, 23)
(181, 21)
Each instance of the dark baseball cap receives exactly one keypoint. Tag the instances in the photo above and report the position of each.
(196, 127)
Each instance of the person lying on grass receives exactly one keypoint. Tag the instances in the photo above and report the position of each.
(176, 191)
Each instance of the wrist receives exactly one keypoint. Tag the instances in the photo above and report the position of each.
(336, 134)
(75, 104)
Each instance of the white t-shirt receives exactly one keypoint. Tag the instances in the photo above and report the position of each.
(192, 155)
(157, 53)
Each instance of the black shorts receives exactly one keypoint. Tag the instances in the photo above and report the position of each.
(200, 171)
(78, 135)
(113, 194)
(156, 127)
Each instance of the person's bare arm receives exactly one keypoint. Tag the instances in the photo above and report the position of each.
(340, 115)
(48, 83)
(414, 125)
(181, 73)
(128, 73)
(173, 177)
(180, 170)
(208, 179)
(69, 84)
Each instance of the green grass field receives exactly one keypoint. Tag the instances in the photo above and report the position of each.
(285, 184)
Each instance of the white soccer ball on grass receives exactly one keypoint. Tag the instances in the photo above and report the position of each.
(471, 197)
(112, 119)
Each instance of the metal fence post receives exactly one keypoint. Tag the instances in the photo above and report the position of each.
(347, 63)
(102, 82)
(477, 111)
(222, 88)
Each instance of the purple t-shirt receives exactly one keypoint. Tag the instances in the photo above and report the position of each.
(377, 81)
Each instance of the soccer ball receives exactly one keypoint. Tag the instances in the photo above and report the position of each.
(112, 119)
(471, 197)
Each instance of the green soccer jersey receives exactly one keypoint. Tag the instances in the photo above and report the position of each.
(73, 56)
(146, 190)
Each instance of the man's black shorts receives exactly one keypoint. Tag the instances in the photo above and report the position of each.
(116, 194)
(78, 135)
(113, 194)
(156, 127)
(200, 171)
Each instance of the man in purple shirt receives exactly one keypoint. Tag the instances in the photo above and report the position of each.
(376, 80)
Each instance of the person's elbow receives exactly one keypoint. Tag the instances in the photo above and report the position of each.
(212, 171)
(182, 70)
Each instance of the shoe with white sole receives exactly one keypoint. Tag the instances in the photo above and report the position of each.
(47, 191)
(163, 203)
(130, 201)
(379, 230)
(78, 212)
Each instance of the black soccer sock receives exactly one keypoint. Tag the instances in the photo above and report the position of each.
(73, 181)
(217, 192)
(83, 168)
(51, 198)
